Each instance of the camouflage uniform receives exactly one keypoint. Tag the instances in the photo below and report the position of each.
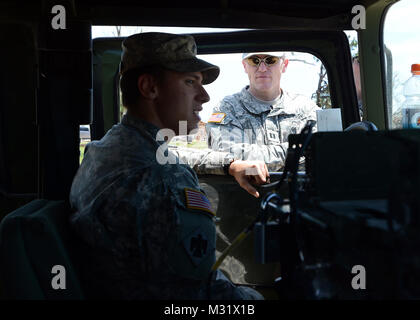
(148, 237)
(252, 129)
(203, 161)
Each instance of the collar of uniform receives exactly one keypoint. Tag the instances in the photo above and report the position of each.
(140, 124)
(285, 105)
(252, 104)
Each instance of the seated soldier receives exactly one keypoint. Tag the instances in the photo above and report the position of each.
(148, 229)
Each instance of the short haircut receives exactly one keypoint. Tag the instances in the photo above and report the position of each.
(128, 83)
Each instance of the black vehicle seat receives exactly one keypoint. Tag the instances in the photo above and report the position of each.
(33, 239)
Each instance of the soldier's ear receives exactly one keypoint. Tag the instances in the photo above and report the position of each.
(245, 66)
(285, 64)
(147, 86)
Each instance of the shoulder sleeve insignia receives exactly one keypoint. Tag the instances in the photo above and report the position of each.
(197, 246)
(198, 201)
(217, 117)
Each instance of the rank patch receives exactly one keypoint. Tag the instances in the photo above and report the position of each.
(198, 200)
(217, 117)
(272, 136)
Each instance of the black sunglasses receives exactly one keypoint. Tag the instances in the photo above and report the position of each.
(269, 61)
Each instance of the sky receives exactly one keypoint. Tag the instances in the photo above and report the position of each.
(401, 35)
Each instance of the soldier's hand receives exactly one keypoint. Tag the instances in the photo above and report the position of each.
(247, 172)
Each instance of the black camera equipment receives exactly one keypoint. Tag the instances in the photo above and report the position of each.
(356, 207)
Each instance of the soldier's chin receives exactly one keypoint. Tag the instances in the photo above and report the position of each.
(264, 83)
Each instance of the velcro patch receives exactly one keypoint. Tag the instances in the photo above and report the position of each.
(198, 200)
(197, 246)
(217, 117)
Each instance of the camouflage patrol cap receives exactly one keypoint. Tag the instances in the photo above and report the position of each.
(171, 51)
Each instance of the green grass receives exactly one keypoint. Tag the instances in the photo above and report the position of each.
(82, 150)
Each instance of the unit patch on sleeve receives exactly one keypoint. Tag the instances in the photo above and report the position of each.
(217, 117)
(196, 246)
(198, 201)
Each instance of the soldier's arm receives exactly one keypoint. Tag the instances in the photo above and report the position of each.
(229, 136)
(203, 161)
(207, 161)
(236, 141)
(193, 250)
(175, 232)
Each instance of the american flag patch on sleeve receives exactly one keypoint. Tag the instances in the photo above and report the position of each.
(217, 117)
(198, 200)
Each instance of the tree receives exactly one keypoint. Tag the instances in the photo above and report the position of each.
(322, 95)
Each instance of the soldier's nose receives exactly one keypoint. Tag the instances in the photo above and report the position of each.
(203, 95)
(262, 67)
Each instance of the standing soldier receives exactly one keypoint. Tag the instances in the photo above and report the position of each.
(254, 124)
